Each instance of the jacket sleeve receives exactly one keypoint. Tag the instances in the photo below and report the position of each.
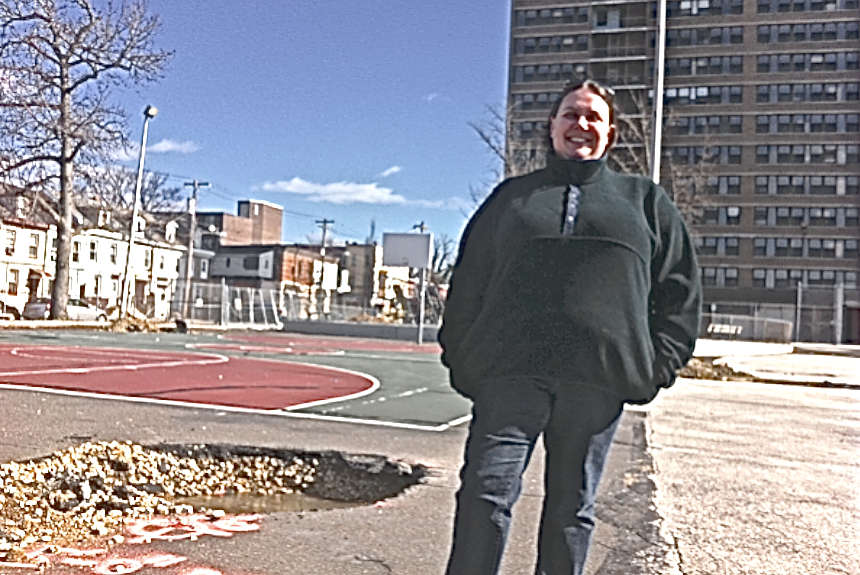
(676, 293)
(469, 280)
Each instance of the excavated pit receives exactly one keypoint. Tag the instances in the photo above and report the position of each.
(91, 490)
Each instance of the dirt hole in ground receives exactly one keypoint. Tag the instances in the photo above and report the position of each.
(90, 490)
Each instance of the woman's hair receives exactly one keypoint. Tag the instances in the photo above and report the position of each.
(605, 92)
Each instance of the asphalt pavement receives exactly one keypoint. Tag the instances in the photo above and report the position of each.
(641, 507)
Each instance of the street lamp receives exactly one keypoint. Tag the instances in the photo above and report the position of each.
(148, 114)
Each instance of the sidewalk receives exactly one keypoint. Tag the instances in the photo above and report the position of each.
(802, 363)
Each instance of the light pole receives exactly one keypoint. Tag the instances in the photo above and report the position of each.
(148, 114)
(659, 73)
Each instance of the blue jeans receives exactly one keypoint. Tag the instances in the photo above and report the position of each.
(578, 424)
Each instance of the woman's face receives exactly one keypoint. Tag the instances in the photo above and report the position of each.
(580, 130)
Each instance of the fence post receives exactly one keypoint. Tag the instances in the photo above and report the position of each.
(797, 309)
(839, 305)
(251, 306)
(225, 308)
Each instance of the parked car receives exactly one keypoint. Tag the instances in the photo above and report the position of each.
(8, 312)
(77, 309)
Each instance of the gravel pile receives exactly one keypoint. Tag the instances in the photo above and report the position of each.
(90, 489)
(706, 369)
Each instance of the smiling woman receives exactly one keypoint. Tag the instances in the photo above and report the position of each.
(576, 290)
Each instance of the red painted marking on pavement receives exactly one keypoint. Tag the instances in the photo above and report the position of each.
(129, 558)
(185, 377)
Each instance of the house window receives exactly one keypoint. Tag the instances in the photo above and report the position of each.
(13, 282)
(10, 242)
(147, 258)
(76, 251)
(34, 246)
(94, 248)
(114, 249)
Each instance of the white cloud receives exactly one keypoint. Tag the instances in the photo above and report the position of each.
(169, 146)
(337, 193)
(390, 171)
(431, 97)
(344, 193)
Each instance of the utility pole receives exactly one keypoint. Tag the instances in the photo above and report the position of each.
(192, 229)
(324, 224)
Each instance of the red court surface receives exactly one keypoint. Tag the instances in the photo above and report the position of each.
(315, 344)
(205, 378)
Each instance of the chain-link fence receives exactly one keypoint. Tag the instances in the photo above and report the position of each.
(225, 305)
(824, 314)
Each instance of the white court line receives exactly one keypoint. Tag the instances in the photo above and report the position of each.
(87, 352)
(212, 359)
(229, 409)
(283, 412)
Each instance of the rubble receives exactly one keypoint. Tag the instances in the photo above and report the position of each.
(91, 489)
(705, 368)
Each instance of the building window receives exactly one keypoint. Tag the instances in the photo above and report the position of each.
(733, 215)
(707, 246)
(822, 216)
(11, 237)
(12, 288)
(34, 246)
(114, 251)
(822, 185)
(731, 277)
(732, 246)
(76, 251)
(94, 250)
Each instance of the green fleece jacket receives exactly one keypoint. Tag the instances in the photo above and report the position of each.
(614, 305)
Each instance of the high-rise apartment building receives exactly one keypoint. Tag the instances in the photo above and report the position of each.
(762, 99)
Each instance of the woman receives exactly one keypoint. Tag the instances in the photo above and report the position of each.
(576, 289)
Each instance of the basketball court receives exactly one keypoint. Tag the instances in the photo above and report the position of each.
(372, 381)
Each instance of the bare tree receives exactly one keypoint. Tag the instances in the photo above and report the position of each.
(686, 183)
(510, 156)
(442, 261)
(60, 64)
(114, 186)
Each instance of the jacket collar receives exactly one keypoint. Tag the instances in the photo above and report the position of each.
(574, 171)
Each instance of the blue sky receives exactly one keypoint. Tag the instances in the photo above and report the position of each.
(351, 111)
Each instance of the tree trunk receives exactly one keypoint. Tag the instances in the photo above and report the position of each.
(60, 291)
